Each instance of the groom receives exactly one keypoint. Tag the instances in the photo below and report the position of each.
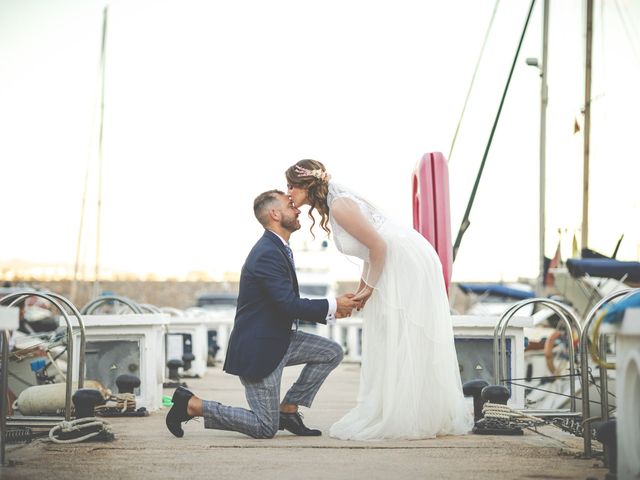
(265, 337)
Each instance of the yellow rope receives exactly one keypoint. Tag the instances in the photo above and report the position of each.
(594, 348)
(123, 402)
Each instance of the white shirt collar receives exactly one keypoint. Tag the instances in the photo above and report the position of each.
(281, 239)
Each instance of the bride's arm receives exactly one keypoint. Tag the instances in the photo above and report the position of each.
(351, 219)
(363, 275)
(363, 288)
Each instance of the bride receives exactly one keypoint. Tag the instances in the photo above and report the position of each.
(409, 382)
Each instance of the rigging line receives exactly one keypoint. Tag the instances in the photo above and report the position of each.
(548, 377)
(597, 387)
(551, 391)
(599, 391)
(465, 221)
(627, 32)
(78, 262)
(473, 79)
(592, 382)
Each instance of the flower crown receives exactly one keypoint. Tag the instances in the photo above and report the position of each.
(317, 173)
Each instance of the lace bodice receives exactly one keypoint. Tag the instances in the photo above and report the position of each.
(345, 242)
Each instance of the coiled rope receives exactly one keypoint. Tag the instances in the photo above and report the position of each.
(504, 413)
(94, 426)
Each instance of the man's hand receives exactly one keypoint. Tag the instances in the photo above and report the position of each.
(362, 296)
(345, 305)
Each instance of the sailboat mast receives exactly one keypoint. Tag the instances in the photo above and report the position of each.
(544, 100)
(587, 126)
(96, 285)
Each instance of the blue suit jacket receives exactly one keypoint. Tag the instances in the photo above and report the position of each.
(268, 304)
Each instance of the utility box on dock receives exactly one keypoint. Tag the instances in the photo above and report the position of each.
(125, 344)
(474, 347)
(188, 335)
(627, 392)
(218, 322)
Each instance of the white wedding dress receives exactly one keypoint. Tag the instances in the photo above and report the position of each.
(410, 381)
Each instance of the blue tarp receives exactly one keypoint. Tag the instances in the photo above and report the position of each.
(604, 267)
(496, 289)
(615, 313)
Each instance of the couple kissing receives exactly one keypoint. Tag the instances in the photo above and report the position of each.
(409, 383)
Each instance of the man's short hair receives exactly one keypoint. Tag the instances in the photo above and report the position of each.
(263, 203)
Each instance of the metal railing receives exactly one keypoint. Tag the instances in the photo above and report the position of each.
(57, 301)
(584, 368)
(4, 347)
(93, 305)
(500, 342)
(15, 298)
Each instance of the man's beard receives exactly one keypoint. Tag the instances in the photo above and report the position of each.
(290, 224)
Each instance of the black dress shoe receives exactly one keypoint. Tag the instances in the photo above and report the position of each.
(293, 423)
(178, 412)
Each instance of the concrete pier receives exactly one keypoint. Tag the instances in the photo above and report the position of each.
(144, 449)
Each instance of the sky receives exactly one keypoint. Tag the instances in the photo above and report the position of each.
(207, 103)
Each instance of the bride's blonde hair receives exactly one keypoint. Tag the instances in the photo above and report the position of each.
(313, 177)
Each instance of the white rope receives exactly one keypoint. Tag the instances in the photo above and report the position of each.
(55, 365)
(504, 412)
(473, 79)
(77, 426)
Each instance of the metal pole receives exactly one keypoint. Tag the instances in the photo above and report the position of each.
(604, 380)
(544, 100)
(587, 127)
(4, 344)
(96, 285)
(83, 337)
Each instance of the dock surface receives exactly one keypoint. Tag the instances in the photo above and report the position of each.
(144, 448)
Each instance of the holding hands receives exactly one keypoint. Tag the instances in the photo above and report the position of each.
(347, 302)
(361, 297)
(345, 305)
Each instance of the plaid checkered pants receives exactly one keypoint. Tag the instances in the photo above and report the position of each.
(320, 355)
